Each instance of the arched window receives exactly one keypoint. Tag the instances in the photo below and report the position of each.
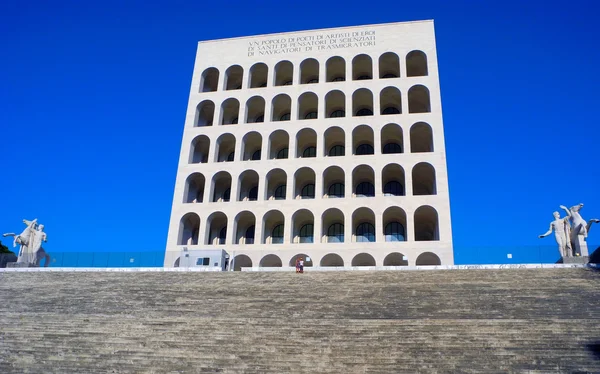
(390, 110)
(253, 194)
(306, 233)
(393, 188)
(335, 233)
(338, 79)
(256, 155)
(277, 235)
(260, 118)
(280, 192)
(314, 80)
(363, 77)
(365, 232)
(287, 83)
(308, 192)
(337, 113)
(336, 190)
(283, 153)
(365, 189)
(310, 115)
(390, 76)
(392, 148)
(365, 149)
(364, 112)
(310, 152)
(394, 232)
(249, 235)
(337, 150)
(231, 156)
(222, 235)
(285, 117)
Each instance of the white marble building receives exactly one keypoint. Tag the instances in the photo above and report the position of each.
(327, 143)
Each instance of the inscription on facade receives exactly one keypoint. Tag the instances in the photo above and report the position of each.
(309, 43)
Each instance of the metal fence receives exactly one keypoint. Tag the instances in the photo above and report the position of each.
(463, 255)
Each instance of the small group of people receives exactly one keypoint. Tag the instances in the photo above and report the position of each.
(300, 265)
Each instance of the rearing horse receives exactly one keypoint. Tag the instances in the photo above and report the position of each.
(580, 227)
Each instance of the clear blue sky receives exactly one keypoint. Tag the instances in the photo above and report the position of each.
(94, 94)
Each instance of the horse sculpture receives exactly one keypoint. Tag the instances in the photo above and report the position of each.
(30, 240)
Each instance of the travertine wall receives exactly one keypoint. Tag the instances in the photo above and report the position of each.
(420, 168)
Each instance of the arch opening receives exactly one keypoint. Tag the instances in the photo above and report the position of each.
(362, 102)
(416, 64)
(273, 225)
(209, 80)
(258, 75)
(251, 146)
(363, 222)
(241, 261)
(205, 112)
(221, 187)
(418, 99)
(390, 101)
(244, 228)
(309, 71)
(308, 104)
(426, 224)
(216, 232)
(332, 221)
(389, 65)
(363, 259)
(276, 185)
(334, 180)
(189, 228)
(270, 261)
(303, 224)
(395, 259)
(284, 73)
(362, 67)
(281, 108)
(278, 145)
(335, 141)
(194, 188)
(199, 150)
(424, 183)
(428, 259)
(335, 69)
(421, 138)
(255, 110)
(233, 78)
(225, 148)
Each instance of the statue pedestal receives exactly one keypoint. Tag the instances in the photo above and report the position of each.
(20, 265)
(580, 246)
(576, 260)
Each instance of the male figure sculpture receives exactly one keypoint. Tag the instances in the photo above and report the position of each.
(562, 228)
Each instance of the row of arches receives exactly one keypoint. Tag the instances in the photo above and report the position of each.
(256, 111)
(360, 228)
(309, 71)
(334, 260)
(334, 184)
(332, 144)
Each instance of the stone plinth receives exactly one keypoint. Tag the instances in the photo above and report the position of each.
(580, 246)
(20, 265)
(576, 260)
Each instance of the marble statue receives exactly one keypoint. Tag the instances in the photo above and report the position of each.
(562, 228)
(30, 240)
(571, 231)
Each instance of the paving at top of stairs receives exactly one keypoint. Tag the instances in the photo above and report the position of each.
(537, 320)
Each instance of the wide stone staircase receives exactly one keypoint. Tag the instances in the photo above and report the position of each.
(492, 321)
